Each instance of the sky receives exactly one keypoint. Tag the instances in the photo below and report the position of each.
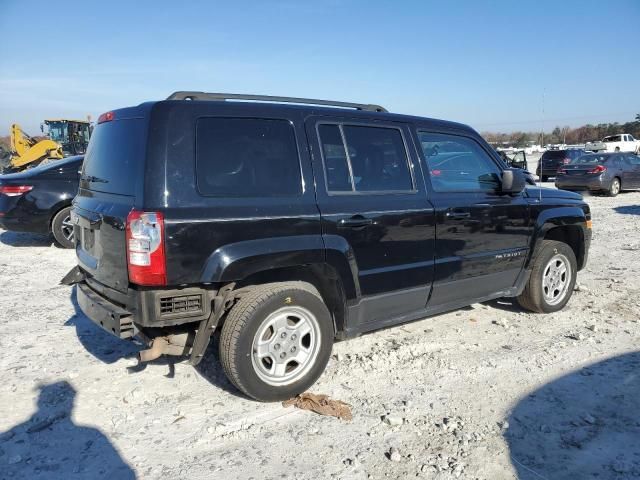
(495, 65)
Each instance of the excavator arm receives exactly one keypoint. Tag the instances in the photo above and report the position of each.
(26, 150)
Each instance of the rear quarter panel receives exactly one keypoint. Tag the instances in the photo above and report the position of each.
(218, 239)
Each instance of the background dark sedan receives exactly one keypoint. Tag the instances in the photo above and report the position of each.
(601, 172)
(551, 160)
(38, 200)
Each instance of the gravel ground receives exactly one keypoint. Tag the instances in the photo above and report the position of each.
(487, 392)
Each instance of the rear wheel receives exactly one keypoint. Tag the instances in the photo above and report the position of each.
(614, 188)
(62, 228)
(552, 279)
(276, 340)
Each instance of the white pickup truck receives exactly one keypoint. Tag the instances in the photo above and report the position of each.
(615, 143)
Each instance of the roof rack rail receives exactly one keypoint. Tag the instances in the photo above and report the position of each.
(186, 95)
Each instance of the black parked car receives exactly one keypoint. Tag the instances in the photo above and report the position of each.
(601, 172)
(38, 200)
(551, 160)
(286, 226)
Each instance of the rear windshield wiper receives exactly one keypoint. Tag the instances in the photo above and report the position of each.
(91, 178)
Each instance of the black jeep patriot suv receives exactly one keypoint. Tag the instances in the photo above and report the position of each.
(285, 223)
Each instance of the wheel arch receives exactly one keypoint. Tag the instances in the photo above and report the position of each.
(322, 276)
(564, 224)
(326, 262)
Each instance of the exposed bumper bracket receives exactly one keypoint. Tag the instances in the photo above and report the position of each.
(74, 276)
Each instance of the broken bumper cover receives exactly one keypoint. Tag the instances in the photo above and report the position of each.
(111, 317)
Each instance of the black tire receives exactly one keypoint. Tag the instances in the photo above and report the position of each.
(614, 188)
(533, 296)
(60, 228)
(544, 178)
(241, 327)
(617, 149)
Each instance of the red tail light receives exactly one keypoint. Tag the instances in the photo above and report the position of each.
(566, 161)
(106, 117)
(15, 190)
(598, 169)
(145, 248)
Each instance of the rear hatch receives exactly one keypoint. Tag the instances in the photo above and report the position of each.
(553, 159)
(111, 185)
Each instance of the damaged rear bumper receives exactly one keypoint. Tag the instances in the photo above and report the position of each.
(170, 321)
(113, 318)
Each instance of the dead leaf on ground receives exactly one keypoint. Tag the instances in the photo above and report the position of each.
(321, 404)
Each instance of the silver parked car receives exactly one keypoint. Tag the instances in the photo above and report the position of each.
(601, 172)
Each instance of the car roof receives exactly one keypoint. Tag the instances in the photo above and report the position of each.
(245, 107)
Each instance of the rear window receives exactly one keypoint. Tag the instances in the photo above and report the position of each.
(247, 157)
(114, 157)
(560, 154)
(590, 160)
(554, 154)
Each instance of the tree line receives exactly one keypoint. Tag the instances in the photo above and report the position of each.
(567, 135)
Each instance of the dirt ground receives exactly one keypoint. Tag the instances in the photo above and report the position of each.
(486, 392)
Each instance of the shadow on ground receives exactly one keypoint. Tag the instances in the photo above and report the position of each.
(628, 209)
(506, 304)
(211, 370)
(19, 239)
(583, 425)
(49, 445)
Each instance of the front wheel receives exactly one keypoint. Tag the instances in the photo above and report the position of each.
(552, 279)
(276, 340)
(62, 228)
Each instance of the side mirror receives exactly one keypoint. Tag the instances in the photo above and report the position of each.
(514, 181)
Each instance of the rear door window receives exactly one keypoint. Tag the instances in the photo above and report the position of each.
(362, 158)
(247, 157)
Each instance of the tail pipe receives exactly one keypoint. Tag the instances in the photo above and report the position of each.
(158, 347)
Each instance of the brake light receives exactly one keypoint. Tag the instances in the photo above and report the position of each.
(436, 172)
(106, 117)
(15, 190)
(145, 248)
(598, 169)
(566, 161)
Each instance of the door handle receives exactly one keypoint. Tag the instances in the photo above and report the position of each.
(458, 215)
(355, 222)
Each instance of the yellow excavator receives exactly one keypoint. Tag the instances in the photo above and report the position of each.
(64, 138)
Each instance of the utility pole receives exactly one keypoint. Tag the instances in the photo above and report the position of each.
(542, 131)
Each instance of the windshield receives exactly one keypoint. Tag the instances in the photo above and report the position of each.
(590, 160)
(58, 131)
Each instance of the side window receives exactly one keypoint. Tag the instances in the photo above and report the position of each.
(336, 163)
(364, 159)
(458, 163)
(247, 157)
(378, 159)
(633, 159)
